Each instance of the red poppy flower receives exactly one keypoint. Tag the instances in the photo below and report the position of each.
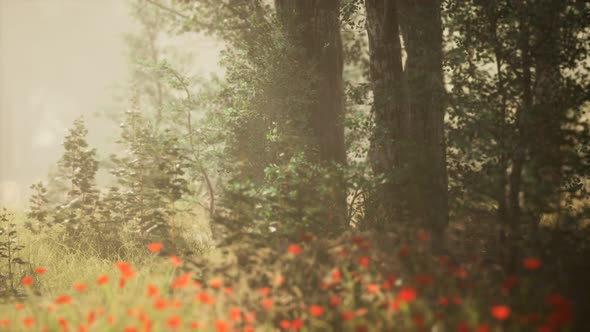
(335, 275)
(266, 303)
(264, 291)
(80, 287)
(423, 236)
(26, 281)
(160, 304)
(175, 261)
(155, 247)
(152, 291)
(462, 327)
(103, 279)
(40, 270)
(285, 324)
(482, 328)
(363, 261)
(443, 301)
(235, 314)
(18, 306)
(28, 321)
(228, 290)
(173, 322)
(316, 310)
(64, 299)
(406, 294)
(334, 300)
(296, 324)
(509, 283)
(500, 312)
(182, 281)
(4, 322)
(294, 249)
(90, 317)
(372, 288)
(404, 251)
(195, 325)
(215, 282)
(130, 329)
(531, 263)
(221, 326)
(279, 280)
(347, 315)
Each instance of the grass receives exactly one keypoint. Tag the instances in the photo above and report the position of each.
(297, 284)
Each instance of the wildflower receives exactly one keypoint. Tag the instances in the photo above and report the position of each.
(26, 281)
(264, 291)
(221, 326)
(509, 283)
(160, 304)
(266, 304)
(249, 317)
(372, 288)
(363, 261)
(285, 324)
(462, 327)
(4, 322)
(215, 282)
(40, 270)
(64, 299)
(130, 329)
(406, 294)
(296, 324)
(175, 261)
(80, 287)
(155, 247)
(182, 281)
(334, 300)
(294, 249)
(235, 314)
(279, 280)
(195, 325)
(205, 298)
(404, 251)
(121, 282)
(228, 290)
(316, 310)
(335, 275)
(28, 321)
(423, 236)
(152, 291)
(443, 301)
(347, 315)
(63, 323)
(482, 328)
(500, 312)
(531, 263)
(19, 306)
(423, 279)
(101, 280)
(173, 322)
(90, 317)
(457, 301)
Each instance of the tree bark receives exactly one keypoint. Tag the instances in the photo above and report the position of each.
(315, 25)
(409, 143)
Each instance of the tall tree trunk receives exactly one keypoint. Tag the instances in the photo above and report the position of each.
(315, 25)
(421, 27)
(409, 143)
(548, 112)
(389, 109)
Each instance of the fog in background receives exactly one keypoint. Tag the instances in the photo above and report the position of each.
(61, 59)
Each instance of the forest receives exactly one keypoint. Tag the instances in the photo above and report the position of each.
(356, 165)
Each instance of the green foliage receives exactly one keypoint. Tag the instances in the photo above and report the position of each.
(151, 178)
(10, 249)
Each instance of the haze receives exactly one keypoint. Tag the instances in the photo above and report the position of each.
(60, 59)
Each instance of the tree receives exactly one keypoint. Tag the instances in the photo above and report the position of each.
(408, 145)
